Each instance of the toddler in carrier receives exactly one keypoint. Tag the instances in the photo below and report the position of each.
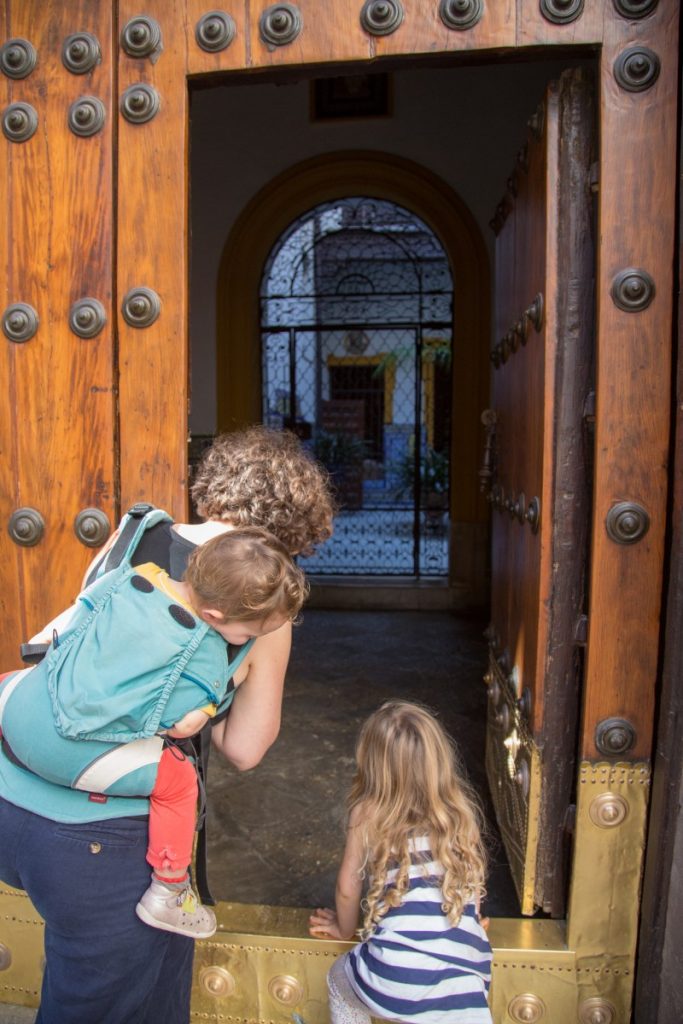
(127, 689)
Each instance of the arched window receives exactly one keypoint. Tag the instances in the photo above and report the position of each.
(356, 331)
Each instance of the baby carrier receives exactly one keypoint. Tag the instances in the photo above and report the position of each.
(129, 663)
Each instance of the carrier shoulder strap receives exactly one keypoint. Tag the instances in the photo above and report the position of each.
(137, 519)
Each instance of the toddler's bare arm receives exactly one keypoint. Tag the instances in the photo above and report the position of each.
(191, 723)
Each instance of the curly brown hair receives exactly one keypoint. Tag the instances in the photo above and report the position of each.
(264, 477)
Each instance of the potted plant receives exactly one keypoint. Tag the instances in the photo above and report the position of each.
(433, 476)
(343, 455)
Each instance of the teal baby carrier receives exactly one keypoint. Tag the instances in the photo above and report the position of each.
(130, 663)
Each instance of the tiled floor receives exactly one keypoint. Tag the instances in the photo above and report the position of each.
(276, 832)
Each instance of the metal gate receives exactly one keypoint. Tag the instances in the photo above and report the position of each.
(356, 322)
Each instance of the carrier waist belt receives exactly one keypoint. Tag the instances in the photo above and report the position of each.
(11, 756)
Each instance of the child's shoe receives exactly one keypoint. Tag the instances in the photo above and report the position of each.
(176, 909)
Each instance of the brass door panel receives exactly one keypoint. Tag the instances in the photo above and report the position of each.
(513, 767)
(536, 471)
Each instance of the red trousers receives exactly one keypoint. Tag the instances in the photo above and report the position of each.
(172, 814)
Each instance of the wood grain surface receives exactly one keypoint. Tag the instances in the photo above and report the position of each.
(152, 252)
(59, 422)
(636, 218)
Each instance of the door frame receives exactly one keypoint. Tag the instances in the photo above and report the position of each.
(138, 201)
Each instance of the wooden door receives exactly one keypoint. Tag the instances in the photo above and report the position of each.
(539, 490)
(58, 474)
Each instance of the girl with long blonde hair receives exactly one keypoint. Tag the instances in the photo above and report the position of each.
(414, 835)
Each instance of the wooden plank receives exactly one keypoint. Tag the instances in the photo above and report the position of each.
(333, 33)
(152, 253)
(235, 56)
(570, 245)
(423, 31)
(505, 304)
(636, 215)
(60, 218)
(11, 592)
(534, 29)
(329, 32)
(519, 399)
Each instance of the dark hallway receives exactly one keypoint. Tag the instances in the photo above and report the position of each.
(276, 833)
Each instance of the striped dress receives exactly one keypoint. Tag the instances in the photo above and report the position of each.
(416, 966)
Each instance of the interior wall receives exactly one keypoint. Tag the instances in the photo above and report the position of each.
(464, 124)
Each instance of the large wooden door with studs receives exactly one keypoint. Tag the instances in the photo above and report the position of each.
(94, 271)
(536, 474)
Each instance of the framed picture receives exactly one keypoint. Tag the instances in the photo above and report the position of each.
(350, 96)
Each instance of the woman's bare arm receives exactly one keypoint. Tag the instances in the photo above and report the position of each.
(252, 726)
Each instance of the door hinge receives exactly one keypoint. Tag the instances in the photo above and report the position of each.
(594, 177)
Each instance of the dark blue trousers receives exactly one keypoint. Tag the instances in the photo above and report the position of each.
(103, 965)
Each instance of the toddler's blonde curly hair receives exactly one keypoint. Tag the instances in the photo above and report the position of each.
(264, 477)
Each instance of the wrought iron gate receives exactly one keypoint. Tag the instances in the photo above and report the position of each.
(356, 331)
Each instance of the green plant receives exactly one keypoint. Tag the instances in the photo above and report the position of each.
(433, 472)
(338, 449)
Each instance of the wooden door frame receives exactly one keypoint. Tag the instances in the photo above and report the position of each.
(238, 334)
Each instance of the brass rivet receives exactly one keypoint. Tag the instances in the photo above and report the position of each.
(608, 810)
(527, 1008)
(217, 982)
(92, 527)
(26, 527)
(95, 847)
(286, 989)
(5, 957)
(597, 1010)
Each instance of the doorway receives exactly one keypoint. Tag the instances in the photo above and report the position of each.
(259, 353)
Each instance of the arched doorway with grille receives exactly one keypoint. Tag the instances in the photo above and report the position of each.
(353, 307)
(356, 339)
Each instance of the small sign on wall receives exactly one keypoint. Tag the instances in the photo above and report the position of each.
(350, 96)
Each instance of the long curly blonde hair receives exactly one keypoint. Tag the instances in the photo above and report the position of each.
(264, 477)
(409, 783)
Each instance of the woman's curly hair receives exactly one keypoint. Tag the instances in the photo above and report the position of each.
(264, 477)
(409, 783)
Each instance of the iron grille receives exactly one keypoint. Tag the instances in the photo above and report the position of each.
(356, 322)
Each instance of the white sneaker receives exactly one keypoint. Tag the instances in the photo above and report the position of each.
(176, 910)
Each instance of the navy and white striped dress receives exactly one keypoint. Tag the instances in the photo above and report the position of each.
(416, 966)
